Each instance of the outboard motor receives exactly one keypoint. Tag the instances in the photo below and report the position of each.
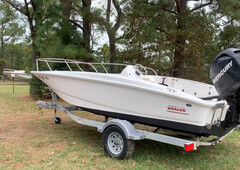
(225, 76)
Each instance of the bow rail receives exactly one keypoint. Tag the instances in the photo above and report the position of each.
(93, 65)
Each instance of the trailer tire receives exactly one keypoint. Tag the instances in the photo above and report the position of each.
(116, 144)
(58, 120)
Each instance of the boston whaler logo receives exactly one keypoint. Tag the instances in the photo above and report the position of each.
(176, 109)
(222, 72)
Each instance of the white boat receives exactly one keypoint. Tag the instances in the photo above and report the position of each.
(133, 95)
(10, 73)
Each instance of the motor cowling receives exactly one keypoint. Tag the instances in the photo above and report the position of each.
(225, 76)
(225, 72)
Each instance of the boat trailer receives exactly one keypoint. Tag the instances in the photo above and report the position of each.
(119, 136)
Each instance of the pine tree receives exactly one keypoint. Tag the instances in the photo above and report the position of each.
(177, 37)
(9, 30)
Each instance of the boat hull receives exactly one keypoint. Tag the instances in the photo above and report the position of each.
(134, 100)
(17, 74)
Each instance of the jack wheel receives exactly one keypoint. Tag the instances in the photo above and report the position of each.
(115, 143)
(58, 120)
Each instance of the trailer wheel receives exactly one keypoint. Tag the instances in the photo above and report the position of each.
(116, 144)
(58, 120)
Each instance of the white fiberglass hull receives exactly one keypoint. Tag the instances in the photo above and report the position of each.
(112, 93)
(17, 73)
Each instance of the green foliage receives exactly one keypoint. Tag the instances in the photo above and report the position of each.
(27, 70)
(52, 35)
(9, 26)
(230, 37)
(57, 37)
(230, 8)
(38, 89)
(154, 31)
(18, 55)
(10, 30)
(54, 48)
(3, 61)
(145, 44)
(102, 55)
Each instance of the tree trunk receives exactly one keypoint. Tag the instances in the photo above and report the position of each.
(112, 30)
(36, 85)
(3, 64)
(65, 24)
(12, 54)
(179, 57)
(86, 24)
(35, 51)
(36, 5)
(112, 46)
(67, 8)
(178, 65)
(35, 55)
(2, 52)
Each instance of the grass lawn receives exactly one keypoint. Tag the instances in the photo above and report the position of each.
(29, 139)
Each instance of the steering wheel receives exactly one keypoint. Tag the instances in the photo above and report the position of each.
(140, 70)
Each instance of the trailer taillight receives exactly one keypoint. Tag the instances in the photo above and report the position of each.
(189, 146)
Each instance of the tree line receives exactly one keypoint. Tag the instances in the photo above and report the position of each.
(178, 38)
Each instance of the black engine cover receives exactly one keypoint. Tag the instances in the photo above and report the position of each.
(225, 72)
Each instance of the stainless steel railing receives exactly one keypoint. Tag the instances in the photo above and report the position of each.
(78, 63)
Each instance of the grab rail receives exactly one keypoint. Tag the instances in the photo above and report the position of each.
(68, 62)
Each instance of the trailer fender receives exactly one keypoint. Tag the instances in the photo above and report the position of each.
(128, 129)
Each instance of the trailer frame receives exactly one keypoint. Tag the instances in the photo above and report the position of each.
(130, 133)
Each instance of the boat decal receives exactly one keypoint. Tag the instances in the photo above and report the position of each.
(222, 72)
(176, 109)
(171, 90)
